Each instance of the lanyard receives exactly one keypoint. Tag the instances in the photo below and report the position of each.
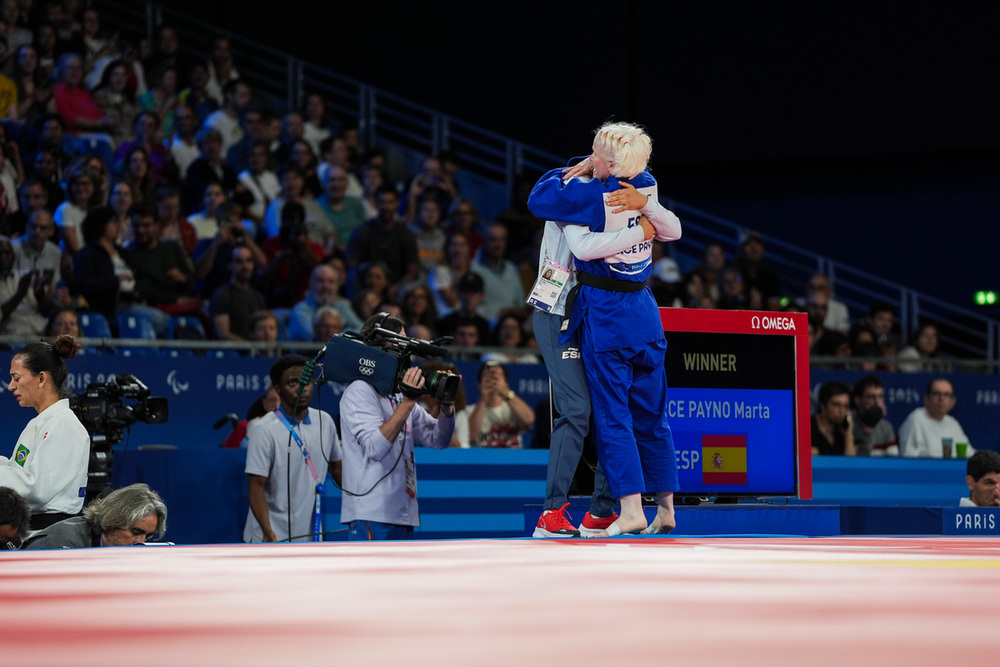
(317, 506)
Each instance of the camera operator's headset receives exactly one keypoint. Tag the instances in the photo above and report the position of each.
(381, 320)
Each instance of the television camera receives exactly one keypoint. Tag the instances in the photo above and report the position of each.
(105, 415)
(382, 357)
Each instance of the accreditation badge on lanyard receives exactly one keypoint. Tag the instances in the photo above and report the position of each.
(547, 288)
(317, 534)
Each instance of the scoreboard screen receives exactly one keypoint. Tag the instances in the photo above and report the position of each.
(738, 402)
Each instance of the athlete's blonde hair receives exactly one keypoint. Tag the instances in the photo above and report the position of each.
(625, 146)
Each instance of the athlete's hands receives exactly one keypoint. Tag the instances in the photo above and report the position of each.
(626, 199)
(582, 168)
(648, 231)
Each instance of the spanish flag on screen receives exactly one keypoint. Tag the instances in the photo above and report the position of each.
(723, 459)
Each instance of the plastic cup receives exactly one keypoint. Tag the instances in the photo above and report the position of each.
(961, 450)
(946, 448)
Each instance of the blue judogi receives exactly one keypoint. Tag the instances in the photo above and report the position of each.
(621, 338)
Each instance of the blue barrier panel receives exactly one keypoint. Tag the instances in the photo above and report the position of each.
(970, 521)
(887, 481)
(891, 520)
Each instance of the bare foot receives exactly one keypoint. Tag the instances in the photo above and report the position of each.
(625, 524)
(662, 524)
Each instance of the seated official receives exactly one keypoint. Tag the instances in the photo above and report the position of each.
(926, 431)
(125, 517)
(873, 434)
(832, 424)
(983, 479)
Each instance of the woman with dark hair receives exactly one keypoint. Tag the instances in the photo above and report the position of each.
(315, 121)
(418, 306)
(49, 463)
(300, 154)
(162, 98)
(923, 354)
(81, 186)
(114, 98)
(137, 171)
(374, 275)
(102, 178)
(145, 135)
(33, 90)
(463, 218)
(291, 258)
(443, 279)
(105, 275)
(832, 423)
(46, 43)
(508, 333)
(103, 268)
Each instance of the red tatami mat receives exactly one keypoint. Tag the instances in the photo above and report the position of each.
(521, 602)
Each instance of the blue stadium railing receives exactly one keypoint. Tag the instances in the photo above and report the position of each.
(491, 163)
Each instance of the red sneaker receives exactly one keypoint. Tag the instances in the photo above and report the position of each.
(555, 523)
(592, 525)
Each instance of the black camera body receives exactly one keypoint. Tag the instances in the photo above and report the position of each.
(382, 358)
(105, 416)
(102, 412)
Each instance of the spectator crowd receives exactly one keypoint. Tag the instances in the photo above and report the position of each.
(148, 180)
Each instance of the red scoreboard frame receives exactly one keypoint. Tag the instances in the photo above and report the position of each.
(761, 323)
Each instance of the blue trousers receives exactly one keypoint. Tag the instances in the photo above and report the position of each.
(628, 391)
(367, 531)
(572, 402)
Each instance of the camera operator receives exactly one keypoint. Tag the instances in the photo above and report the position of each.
(286, 450)
(125, 517)
(49, 463)
(380, 432)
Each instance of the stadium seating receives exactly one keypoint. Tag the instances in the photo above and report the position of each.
(185, 327)
(94, 325)
(135, 325)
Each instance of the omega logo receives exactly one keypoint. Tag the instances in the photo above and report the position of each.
(772, 322)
